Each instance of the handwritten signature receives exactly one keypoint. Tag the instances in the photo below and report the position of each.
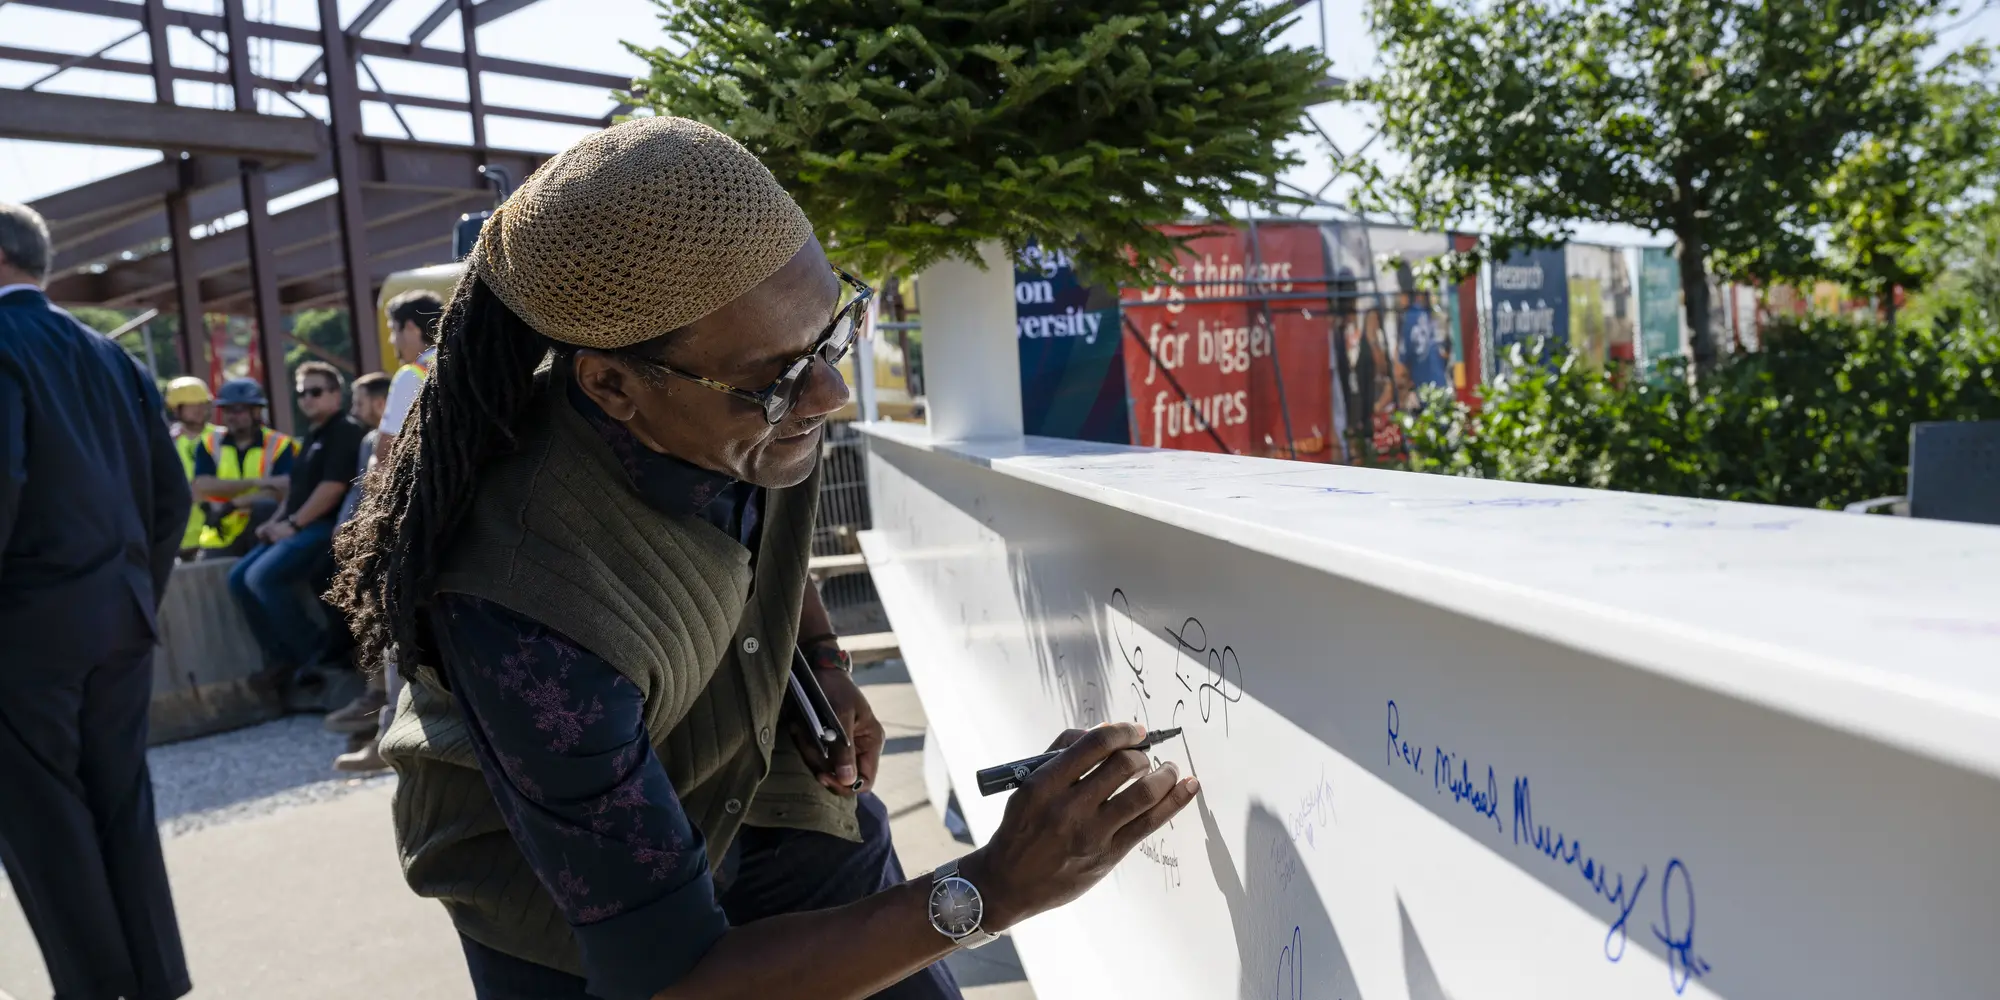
(1222, 661)
(1683, 965)
(1675, 931)
(1566, 850)
(1462, 786)
(1291, 969)
(1314, 811)
(1170, 863)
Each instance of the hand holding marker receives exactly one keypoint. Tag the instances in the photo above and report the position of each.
(1001, 777)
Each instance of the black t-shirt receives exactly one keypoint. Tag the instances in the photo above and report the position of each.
(331, 454)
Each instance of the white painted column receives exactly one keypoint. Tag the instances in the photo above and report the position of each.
(864, 365)
(972, 367)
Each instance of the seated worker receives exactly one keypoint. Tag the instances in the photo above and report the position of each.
(413, 317)
(276, 582)
(241, 471)
(590, 555)
(189, 406)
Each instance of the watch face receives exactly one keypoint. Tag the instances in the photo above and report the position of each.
(955, 907)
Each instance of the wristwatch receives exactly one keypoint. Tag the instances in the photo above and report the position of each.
(956, 907)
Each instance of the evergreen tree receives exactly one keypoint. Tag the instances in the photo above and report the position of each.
(912, 130)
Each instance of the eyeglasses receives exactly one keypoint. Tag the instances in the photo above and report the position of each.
(835, 341)
(314, 393)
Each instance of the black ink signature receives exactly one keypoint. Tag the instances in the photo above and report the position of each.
(1222, 661)
(1133, 654)
(1291, 969)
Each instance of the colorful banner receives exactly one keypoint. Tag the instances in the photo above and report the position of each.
(1600, 304)
(1072, 375)
(1211, 367)
(1659, 306)
(1396, 335)
(1530, 295)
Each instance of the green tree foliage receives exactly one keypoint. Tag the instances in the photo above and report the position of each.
(325, 329)
(158, 333)
(1721, 121)
(912, 130)
(1819, 418)
(1899, 204)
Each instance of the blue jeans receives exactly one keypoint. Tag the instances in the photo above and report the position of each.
(271, 583)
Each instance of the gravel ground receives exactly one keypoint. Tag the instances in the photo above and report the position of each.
(229, 776)
(217, 779)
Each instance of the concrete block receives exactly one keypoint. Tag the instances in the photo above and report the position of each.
(208, 674)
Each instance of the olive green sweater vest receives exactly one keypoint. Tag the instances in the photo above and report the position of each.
(557, 534)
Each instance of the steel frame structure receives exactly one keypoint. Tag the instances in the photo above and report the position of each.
(131, 241)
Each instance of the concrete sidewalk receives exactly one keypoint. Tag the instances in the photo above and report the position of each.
(287, 885)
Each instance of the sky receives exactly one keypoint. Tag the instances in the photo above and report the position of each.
(580, 33)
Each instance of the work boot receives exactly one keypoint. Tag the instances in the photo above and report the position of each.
(368, 758)
(362, 715)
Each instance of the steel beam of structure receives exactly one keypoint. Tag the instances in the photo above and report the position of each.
(308, 36)
(122, 213)
(271, 340)
(485, 13)
(504, 67)
(343, 94)
(353, 30)
(175, 211)
(103, 121)
(126, 240)
(313, 224)
(413, 241)
(475, 99)
(184, 18)
(142, 231)
(191, 339)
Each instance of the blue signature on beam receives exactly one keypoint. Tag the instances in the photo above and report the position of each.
(1595, 873)
(1675, 931)
(1683, 964)
(1462, 786)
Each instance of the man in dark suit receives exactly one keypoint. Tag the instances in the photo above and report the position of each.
(92, 507)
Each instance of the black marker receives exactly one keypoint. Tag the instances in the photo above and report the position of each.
(1001, 777)
(815, 710)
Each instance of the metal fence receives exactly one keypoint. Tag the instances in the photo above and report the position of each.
(843, 511)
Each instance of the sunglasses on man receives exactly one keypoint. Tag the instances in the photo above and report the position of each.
(315, 392)
(777, 399)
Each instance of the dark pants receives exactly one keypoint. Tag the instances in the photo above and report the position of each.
(776, 871)
(271, 584)
(77, 832)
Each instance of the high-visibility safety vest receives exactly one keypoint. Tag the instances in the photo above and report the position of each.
(232, 464)
(186, 445)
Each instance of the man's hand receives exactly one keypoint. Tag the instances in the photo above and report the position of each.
(851, 771)
(273, 532)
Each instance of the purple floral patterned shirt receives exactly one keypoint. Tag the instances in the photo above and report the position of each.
(561, 739)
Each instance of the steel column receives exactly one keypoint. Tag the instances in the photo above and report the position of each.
(475, 101)
(191, 340)
(257, 228)
(344, 102)
(193, 345)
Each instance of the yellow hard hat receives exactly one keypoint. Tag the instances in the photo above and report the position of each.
(188, 389)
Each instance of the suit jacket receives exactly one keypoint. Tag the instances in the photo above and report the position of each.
(93, 501)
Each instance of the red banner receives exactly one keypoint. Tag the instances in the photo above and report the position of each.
(1232, 356)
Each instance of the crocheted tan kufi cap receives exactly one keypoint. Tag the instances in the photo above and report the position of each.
(637, 231)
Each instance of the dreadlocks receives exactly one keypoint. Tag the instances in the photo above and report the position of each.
(465, 416)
